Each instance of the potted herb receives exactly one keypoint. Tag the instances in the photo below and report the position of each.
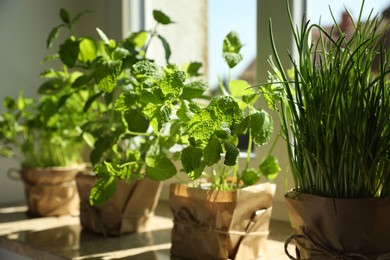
(224, 213)
(48, 143)
(335, 117)
(123, 134)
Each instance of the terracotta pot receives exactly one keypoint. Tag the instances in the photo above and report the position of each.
(51, 191)
(128, 210)
(210, 224)
(328, 228)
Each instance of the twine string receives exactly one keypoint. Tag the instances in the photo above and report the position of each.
(318, 251)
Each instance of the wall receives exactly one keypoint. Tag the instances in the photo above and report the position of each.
(24, 27)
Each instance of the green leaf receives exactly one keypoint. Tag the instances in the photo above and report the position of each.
(239, 88)
(53, 35)
(147, 69)
(212, 151)
(149, 96)
(197, 173)
(137, 40)
(173, 81)
(69, 51)
(52, 86)
(64, 15)
(104, 188)
(103, 36)
(120, 54)
(184, 113)
(270, 167)
(106, 74)
(261, 125)
(159, 168)
(136, 121)
(231, 49)
(125, 101)
(225, 109)
(161, 17)
(191, 158)
(81, 81)
(194, 89)
(193, 68)
(101, 145)
(90, 101)
(88, 50)
(167, 48)
(250, 176)
(231, 154)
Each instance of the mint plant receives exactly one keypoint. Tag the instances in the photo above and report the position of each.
(213, 132)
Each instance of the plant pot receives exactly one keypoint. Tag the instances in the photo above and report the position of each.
(128, 210)
(211, 224)
(327, 228)
(51, 191)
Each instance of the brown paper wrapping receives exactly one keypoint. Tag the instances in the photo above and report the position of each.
(51, 191)
(327, 228)
(210, 224)
(128, 210)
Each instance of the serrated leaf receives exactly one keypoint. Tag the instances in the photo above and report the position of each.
(161, 17)
(194, 89)
(232, 59)
(64, 15)
(167, 48)
(106, 74)
(173, 81)
(239, 88)
(261, 125)
(184, 113)
(69, 51)
(250, 176)
(231, 154)
(125, 101)
(147, 69)
(231, 49)
(270, 167)
(136, 121)
(212, 151)
(225, 109)
(191, 158)
(159, 168)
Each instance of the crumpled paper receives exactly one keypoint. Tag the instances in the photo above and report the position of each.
(327, 228)
(51, 191)
(128, 210)
(211, 224)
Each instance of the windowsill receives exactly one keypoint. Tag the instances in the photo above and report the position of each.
(63, 238)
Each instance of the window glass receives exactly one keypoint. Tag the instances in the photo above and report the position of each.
(225, 16)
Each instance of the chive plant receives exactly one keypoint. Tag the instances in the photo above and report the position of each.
(335, 110)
